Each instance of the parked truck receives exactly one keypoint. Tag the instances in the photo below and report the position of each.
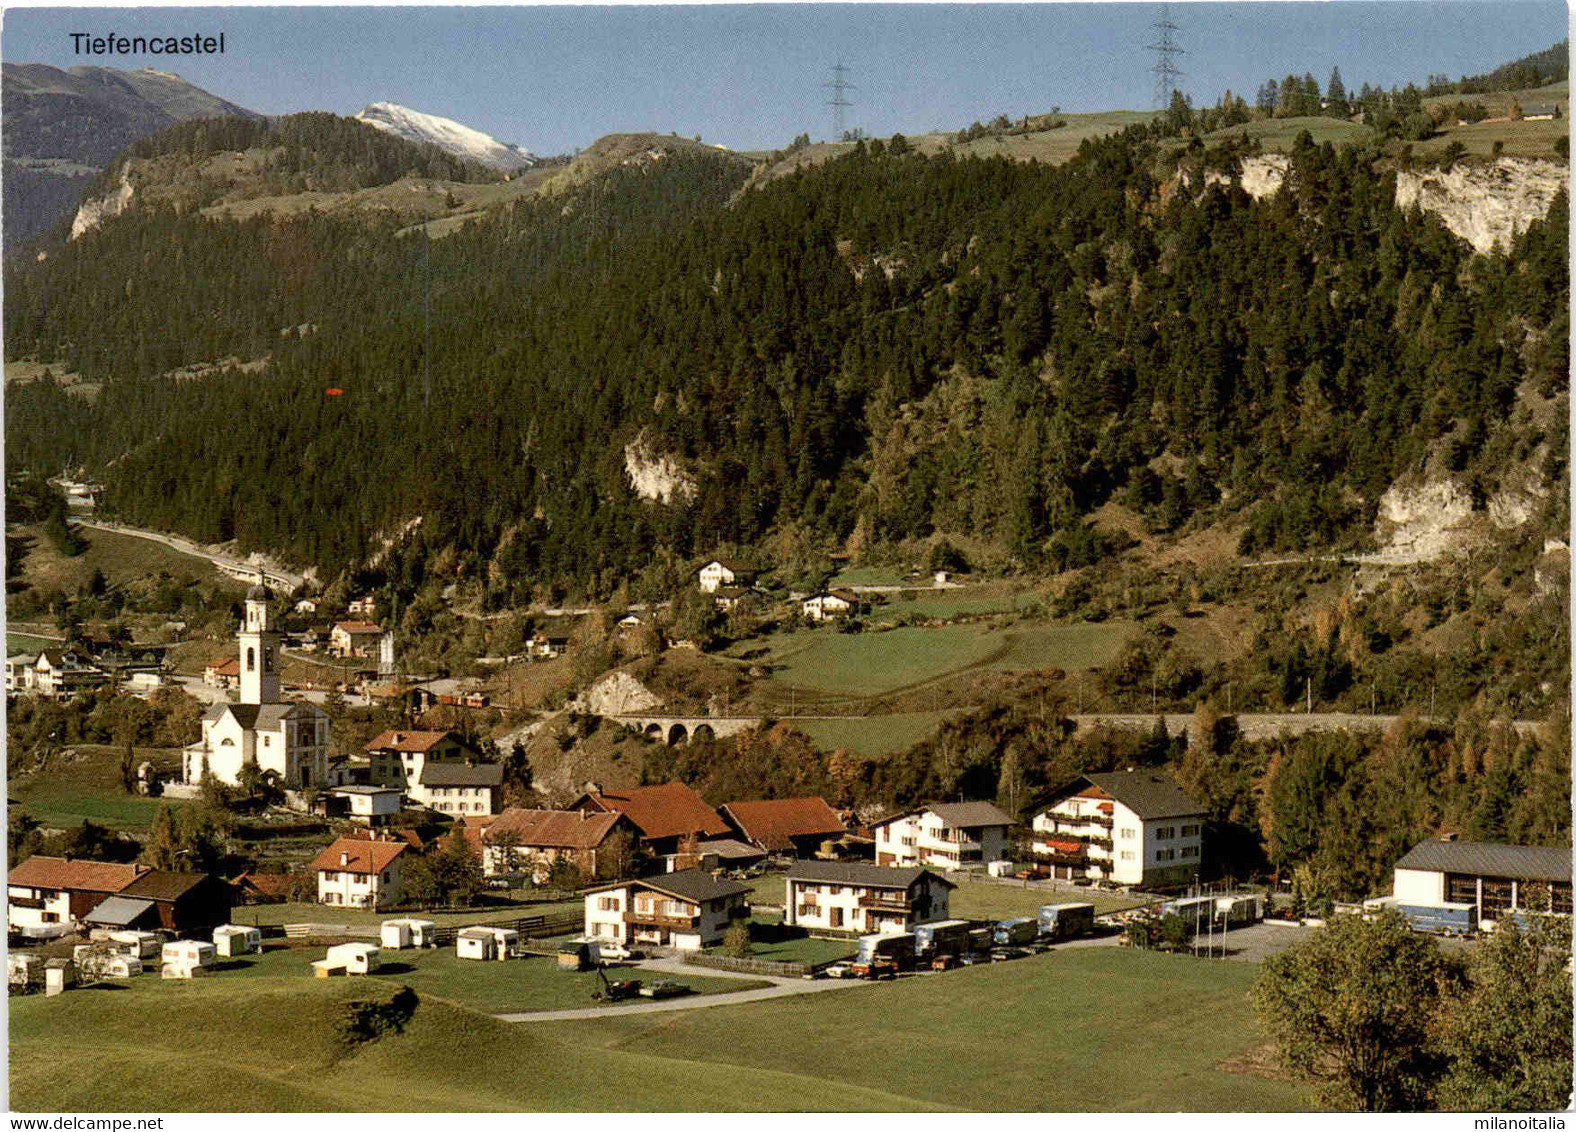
(1065, 921)
(1442, 918)
(941, 937)
(884, 955)
(1015, 933)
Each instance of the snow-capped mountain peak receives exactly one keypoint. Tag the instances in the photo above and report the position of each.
(446, 134)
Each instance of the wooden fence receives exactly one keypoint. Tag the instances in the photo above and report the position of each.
(756, 966)
(539, 927)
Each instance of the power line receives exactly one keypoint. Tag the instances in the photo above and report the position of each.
(840, 86)
(1165, 69)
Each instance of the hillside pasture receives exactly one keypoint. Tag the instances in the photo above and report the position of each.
(122, 559)
(82, 783)
(1082, 1029)
(872, 735)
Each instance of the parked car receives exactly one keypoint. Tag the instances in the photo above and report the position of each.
(839, 971)
(1002, 954)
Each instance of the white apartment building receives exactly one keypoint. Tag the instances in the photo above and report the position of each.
(946, 834)
(355, 873)
(863, 899)
(1132, 827)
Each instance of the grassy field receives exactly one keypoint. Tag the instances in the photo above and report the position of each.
(950, 603)
(872, 735)
(121, 558)
(1079, 1030)
(803, 950)
(83, 782)
(1277, 134)
(299, 913)
(534, 983)
(23, 642)
(274, 1045)
(871, 664)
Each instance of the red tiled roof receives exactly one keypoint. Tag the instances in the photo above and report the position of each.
(357, 627)
(408, 836)
(363, 856)
(552, 829)
(773, 824)
(407, 740)
(225, 666)
(275, 885)
(78, 876)
(669, 810)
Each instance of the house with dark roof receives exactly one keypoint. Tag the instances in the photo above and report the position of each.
(268, 888)
(863, 899)
(183, 903)
(726, 572)
(1131, 826)
(949, 835)
(1497, 878)
(796, 826)
(665, 816)
(686, 910)
(467, 787)
(530, 841)
(354, 873)
(397, 758)
(354, 638)
(47, 895)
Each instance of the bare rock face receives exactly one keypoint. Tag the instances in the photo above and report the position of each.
(1420, 523)
(1261, 176)
(92, 213)
(1485, 205)
(655, 477)
(617, 693)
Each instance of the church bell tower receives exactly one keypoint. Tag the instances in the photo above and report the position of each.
(259, 650)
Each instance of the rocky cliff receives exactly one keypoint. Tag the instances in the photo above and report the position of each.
(1485, 204)
(94, 212)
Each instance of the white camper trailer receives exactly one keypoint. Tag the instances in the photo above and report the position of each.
(395, 934)
(24, 969)
(507, 941)
(476, 943)
(237, 939)
(356, 958)
(120, 966)
(187, 953)
(407, 931)
(142, 945)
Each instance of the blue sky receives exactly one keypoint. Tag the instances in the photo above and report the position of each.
(750, 76)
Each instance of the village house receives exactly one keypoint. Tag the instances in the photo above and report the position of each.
(795, 826)
(354, 873)
(370, 805)
(664, 816)
(55, 674)
(222, 672)
(354, 638)
(397, 758)
(863, 899)
(45, 895)
(726, 572)
(16, 671)
(686, 910)
(946, 834)
(1497, 878)
(467, 787)
(269, 888)
(287, 741)
(520, 841)
(830, 604)
(1131, 827)
(364, 606)
(546, 646)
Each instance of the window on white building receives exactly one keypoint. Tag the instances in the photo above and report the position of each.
(1128, 834)
(1127, 854)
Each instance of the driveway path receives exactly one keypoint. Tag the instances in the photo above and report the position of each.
(678, 969)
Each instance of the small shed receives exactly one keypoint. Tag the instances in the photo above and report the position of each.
(357, 958)
(237, 939)
(188, 953)
(476, 943)
(327, 969)
(406, 931)
(59, 975)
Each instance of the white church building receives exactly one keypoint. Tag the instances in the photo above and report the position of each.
(287, 740)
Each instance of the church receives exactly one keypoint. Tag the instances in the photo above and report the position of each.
(285, 741)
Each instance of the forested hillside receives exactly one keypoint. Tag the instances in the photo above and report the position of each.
(884, 346)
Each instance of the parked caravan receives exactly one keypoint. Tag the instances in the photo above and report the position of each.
(942, 937)
(1238, 910)
(507, 942)
(120, 966)
(24, 969)
(1065, 921)
(358, 958)
(1015, 933)
(894, 952)
(476, 943)
(188, 953)
(231, 940)
(406, 931)
(143, 945)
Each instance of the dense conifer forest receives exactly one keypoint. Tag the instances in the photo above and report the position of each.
(885, 344)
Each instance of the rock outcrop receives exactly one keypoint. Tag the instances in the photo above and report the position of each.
(655, 477)
(1422, 522)
(1485, 204)
(617, 693)
(92, 213)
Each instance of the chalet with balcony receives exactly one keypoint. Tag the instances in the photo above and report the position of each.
(531, 841)
(949, 835)
(354, 638)
(398, 758)
(796, 826)
(830, 604)
(726, 572)
(1131, 827)
(863, 899)
(686, 910)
